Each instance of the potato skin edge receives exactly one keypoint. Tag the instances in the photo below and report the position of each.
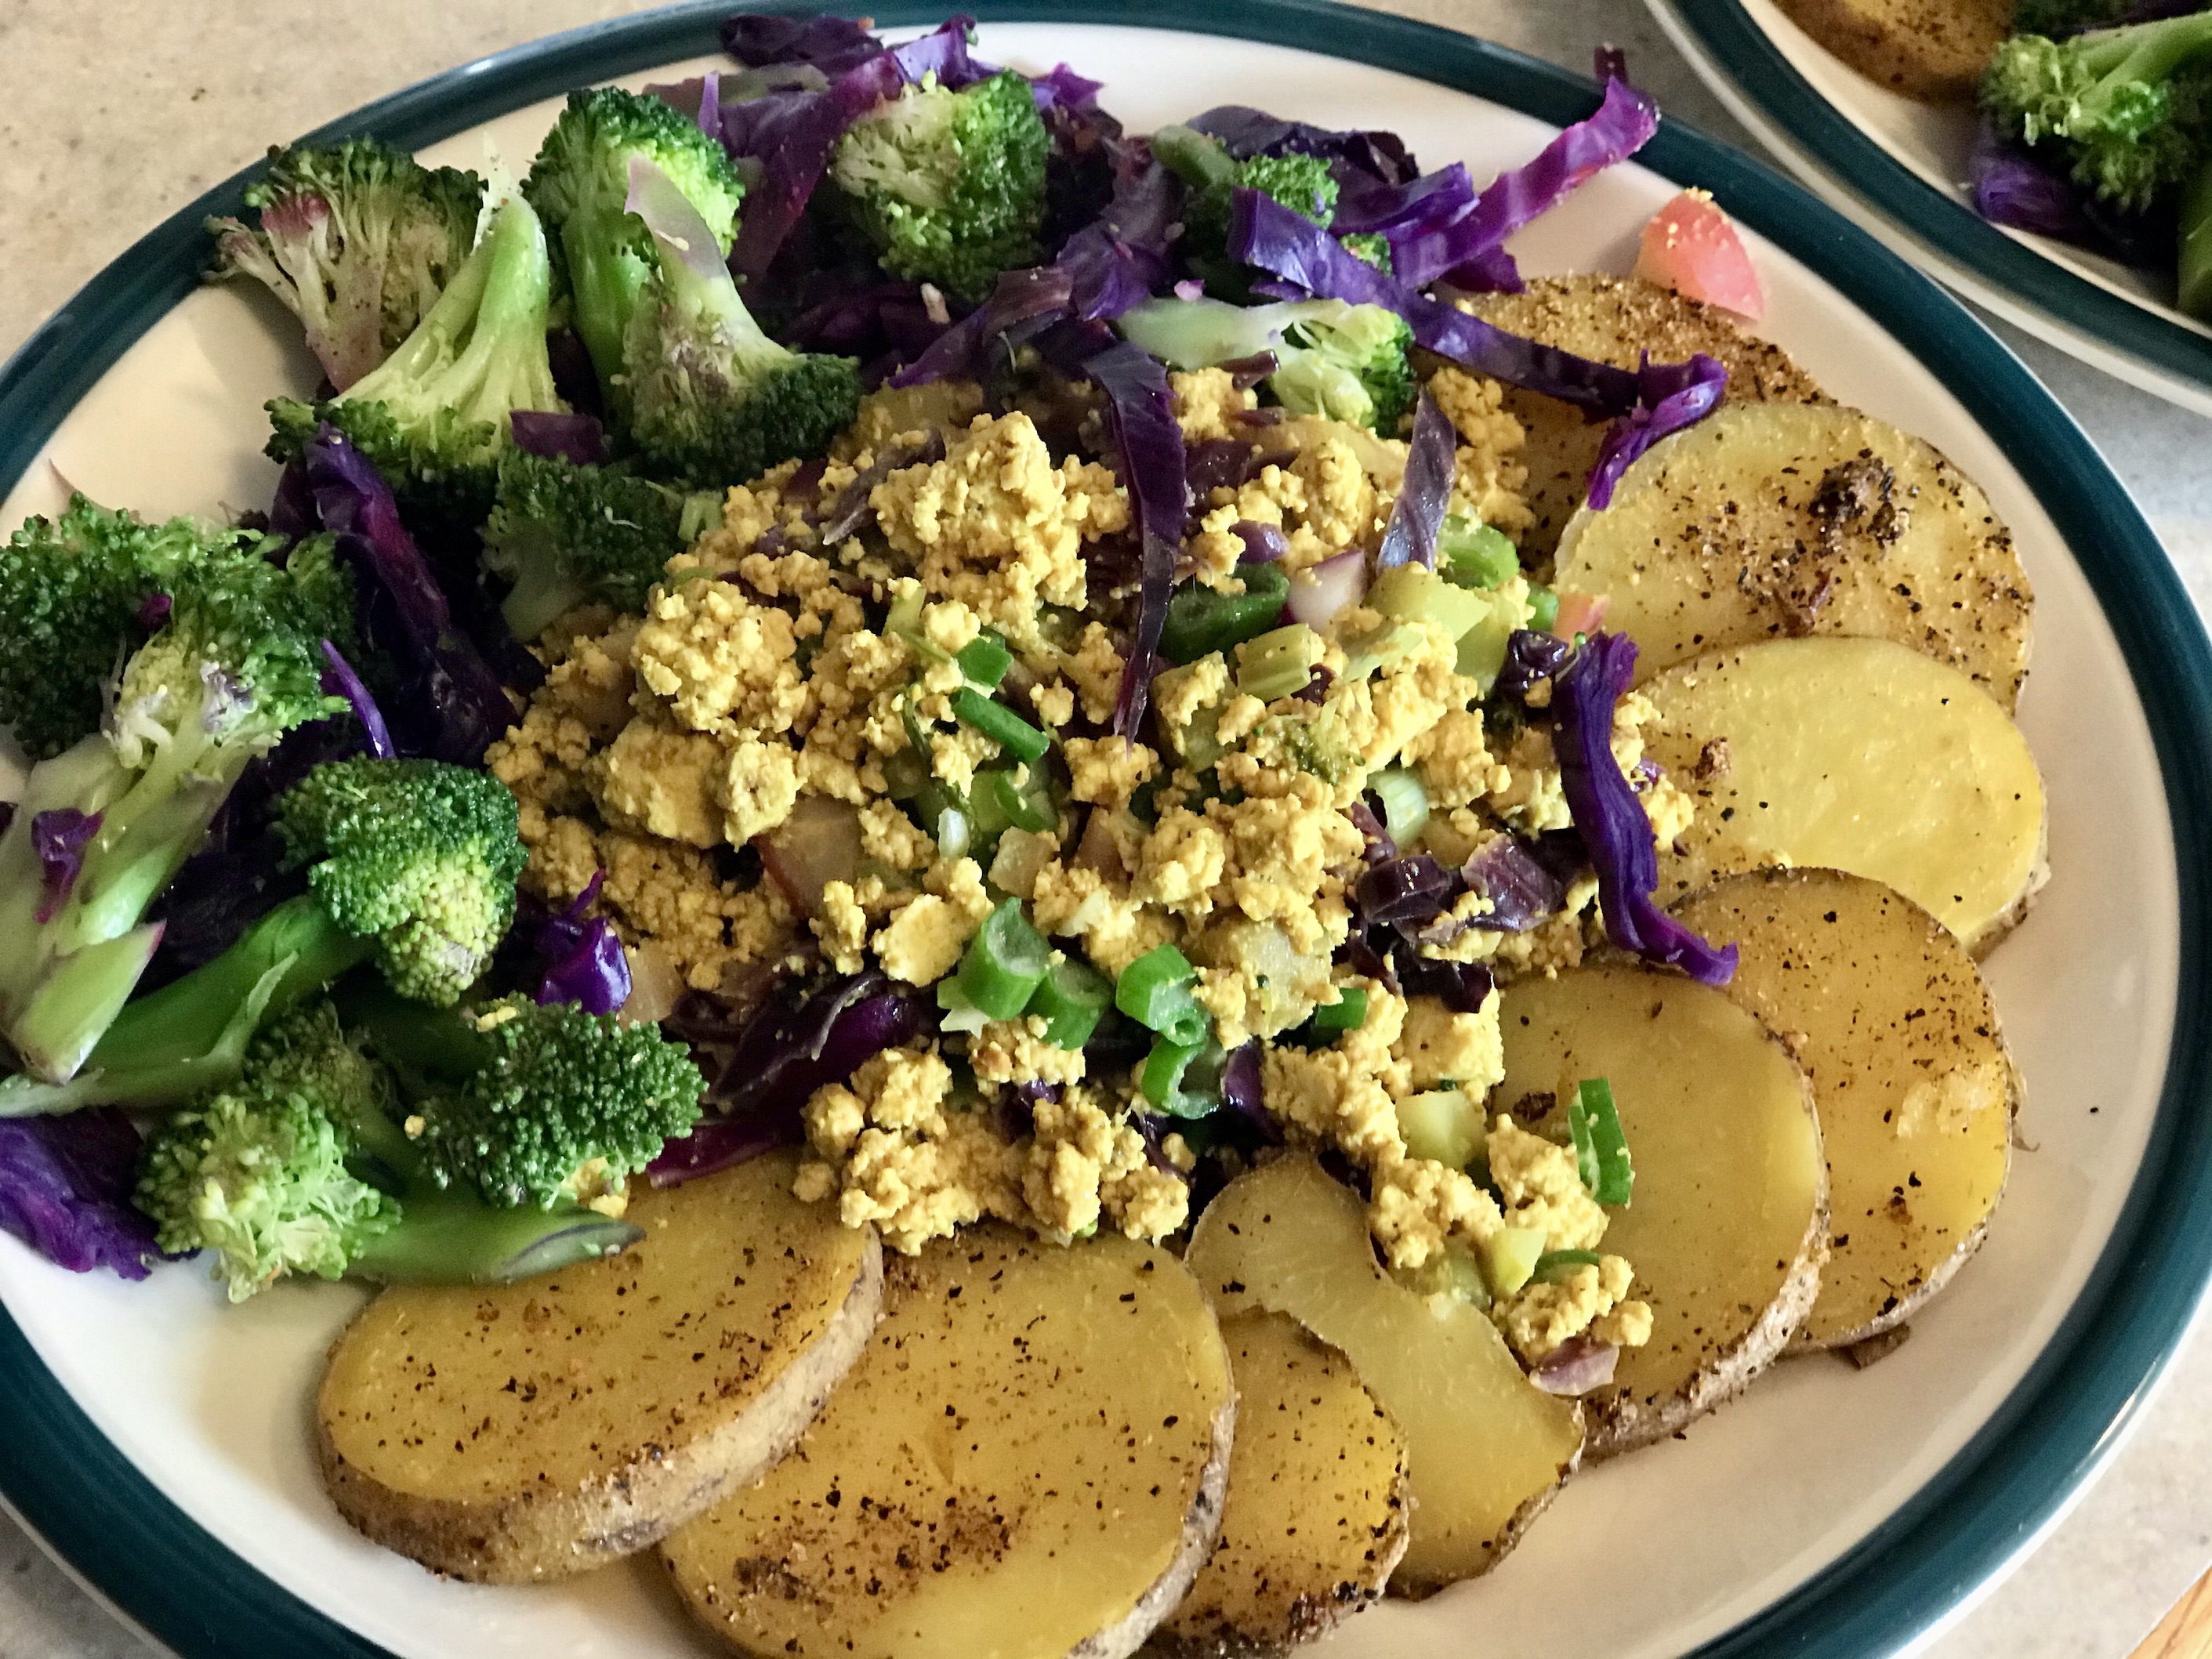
(534, 1538)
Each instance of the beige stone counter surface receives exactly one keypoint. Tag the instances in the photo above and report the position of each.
(114, 114)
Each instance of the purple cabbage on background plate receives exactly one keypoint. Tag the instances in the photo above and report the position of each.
(1610, 820)
(66, 1184)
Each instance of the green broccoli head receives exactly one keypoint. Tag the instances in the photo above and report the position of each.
(357, 241)
(1348, 362)
(421, 854)
(435, 417)
(72, 590)
(2128, 105)
(562, 1106)
(258, 1174)
(949, 186)
(564, 534)
(580, 183)
(712, 400)
(239, 663)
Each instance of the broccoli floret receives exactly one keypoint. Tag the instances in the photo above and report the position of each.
(1300, 183)
(358, 242)
(525, 1103)
(949, 186)
(410, 863)
(714, 400)
(564, 534)
(580, 183)
(434, 419)
(301, 1169)
(1345, 361)
(2127, 105)
(233, 661)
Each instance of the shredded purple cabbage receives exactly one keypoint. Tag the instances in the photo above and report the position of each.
(1530, 657)
(451, 704)
(58, 838)
(1241, 1094)
(1577, 1366)
(578, 438)
(1366, 205)
(1524, 888)
(1622, 124)
(716, 1144)
(1116, 262)
(1245, 132)
(66, 1184)
(1671, 396)
(1022, 303)
(1461, 986)
(1148, 439)
(584, 962)
(340, 680)
(1404, 892)
(1061, 88)
(832, 45)
(790, 1046)
(1417, 517)
(1610, 820)
(1265, 233)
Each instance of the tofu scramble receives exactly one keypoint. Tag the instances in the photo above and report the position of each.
(777, 772)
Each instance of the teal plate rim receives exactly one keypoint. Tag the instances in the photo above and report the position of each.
(1831, 142)
(166, 1574)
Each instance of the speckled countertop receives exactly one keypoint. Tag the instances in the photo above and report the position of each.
(113, 115)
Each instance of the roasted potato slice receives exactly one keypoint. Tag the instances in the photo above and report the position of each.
(1775, 520)
(1029, 1463)
(537, 1429)
(1729, 1219)
(1614, 320)
(1932, 50)
(1916, 1088)
(1317, 1505)
(1858, 754)
(1486, 1448)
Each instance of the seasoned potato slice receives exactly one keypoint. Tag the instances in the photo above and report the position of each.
(1614, 320)
(1932, 50)
(1486, 1448)
(1029, 1463)
(540, 1429)
(1775, 520)
(1858, 754)
(1915, 1086)
(1317, 1512)
(1730, 1214)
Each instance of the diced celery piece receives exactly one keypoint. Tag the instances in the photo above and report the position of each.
(1482, 648)
(1474, 555)
(1408, 593)
(1509, 1258)
(1442, 1124)
(1405, 803)
(1452, 1271)
(1278, 663)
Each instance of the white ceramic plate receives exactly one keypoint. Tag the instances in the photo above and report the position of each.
(1898, 167)
(162, 1440)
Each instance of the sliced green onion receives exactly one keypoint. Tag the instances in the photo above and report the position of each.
(985, 660)
(1183, 1079)
(1002, 726)
(952, 834)
(1555, 1267)
(1154, 990)
(1474, 555)
(1347, 1014)
(702, 511)
(905, 621)
(1544, 606)
(1278, 663)
(1601, 1146)
(1510, 1257)
(1020, 810)
(1202, 620)
(1070, 999)
(1005, 963)
(1405, 803)
(956, 1013)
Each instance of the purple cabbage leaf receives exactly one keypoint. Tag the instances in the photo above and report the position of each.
(340, 680)
(584, 962)
(1614, 829)
(1670, 396)
(1148, 441)
(1246, 132)
(577, 438)
(1417, 517)
(65, 1185)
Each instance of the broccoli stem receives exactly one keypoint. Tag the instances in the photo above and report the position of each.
(2195, 270)
(189, 1038)
(457, 1239)
(425, 1046)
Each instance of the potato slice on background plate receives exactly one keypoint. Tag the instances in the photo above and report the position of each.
(1729, 1219)
(536, 1429)
(1933, 50)
(1317, 1507)
(1027, 1463)
(1614, 320)
(1777, 521)
(1858, 754)
(1915, 1086)
(1486, 1448)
